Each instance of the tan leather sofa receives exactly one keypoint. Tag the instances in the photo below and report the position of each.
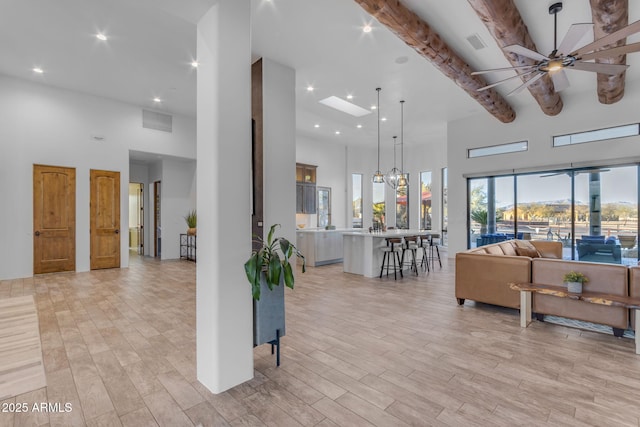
(483, 274)
(606, 278)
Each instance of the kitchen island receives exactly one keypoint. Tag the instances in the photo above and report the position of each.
(362, 254)
(320, 246)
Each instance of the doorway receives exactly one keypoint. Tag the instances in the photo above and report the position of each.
(104, 223)
(157, 229)
(136, 217)
(54, 219)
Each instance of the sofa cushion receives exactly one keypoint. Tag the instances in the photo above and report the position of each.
(547, 253)
(508, 248)
(494, 250)
(533, 253)
(524, 244)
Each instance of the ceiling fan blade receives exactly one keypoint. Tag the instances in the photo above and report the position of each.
(475, 73)
(523, 51)
(528, 83)
(560, 80)
(613, 52)
(611, 69)
(611, 38)
(505, 80)
(572, 38)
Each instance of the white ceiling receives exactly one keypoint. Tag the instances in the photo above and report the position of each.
(152, 43)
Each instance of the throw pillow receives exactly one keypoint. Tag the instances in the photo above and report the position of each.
(527, 252)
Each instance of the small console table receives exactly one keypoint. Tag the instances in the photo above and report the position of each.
(560, 291)
(188, 247)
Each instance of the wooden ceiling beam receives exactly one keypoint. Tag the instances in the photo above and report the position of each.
(608, 17)
(416, 33)
(505, 24)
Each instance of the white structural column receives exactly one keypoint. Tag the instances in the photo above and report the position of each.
(223, 297)
(279, 146)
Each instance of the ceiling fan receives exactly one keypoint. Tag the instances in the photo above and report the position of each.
(565, 57)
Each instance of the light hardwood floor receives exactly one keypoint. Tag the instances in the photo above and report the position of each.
(119, 345)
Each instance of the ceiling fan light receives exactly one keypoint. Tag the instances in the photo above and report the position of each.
(555, 65)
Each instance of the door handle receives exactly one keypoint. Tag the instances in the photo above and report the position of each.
(117, 231)
(37, 233)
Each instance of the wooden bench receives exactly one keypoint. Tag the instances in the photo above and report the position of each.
(526, 289)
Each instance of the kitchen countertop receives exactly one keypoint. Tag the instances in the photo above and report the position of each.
(388, 233)
(322, 230)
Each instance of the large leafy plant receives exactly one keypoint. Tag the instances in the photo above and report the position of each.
(271, 261)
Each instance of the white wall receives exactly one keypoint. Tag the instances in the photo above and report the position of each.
(177, 199)
(46, 125)
(580, 113)
(331, 160)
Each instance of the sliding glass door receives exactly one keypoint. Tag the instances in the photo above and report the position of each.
(592, 211)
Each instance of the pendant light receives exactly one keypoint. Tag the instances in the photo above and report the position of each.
(403, 179)
(394, 174)
(378, 177)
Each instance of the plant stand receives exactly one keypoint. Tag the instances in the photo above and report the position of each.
(268, 318)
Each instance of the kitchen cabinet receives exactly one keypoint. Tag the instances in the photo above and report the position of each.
(305, 188)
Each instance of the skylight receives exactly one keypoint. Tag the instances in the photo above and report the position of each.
(344, 106)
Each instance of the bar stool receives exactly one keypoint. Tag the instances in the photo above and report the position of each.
(411, 245)
(425, 245)
(435, 244)
(392, 250)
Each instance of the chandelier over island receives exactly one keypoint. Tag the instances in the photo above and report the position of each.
(393, 176)
(378, 177)
(403, 179)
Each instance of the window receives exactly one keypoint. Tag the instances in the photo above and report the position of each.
(596, 135)
(402, 206)
(324, 206)
(378, 205)
(512, 147)
(425, 200)
(356, 202)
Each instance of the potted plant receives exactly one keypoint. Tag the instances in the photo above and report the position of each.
(267, 270)
(192, 220)
(480, 216)
(574, 281)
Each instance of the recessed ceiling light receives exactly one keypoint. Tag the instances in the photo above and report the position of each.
(373, 107)
(38, 70)
(101, 36)
(156, 99)
(359, 126)
(316, 126)
(309, 88)
(344, 106)
(349, 96)
(384, 119)
(366, 28)
(337, 132)
(194, 64)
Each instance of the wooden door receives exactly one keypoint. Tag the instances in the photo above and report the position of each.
(105, 219)
(54, 219)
